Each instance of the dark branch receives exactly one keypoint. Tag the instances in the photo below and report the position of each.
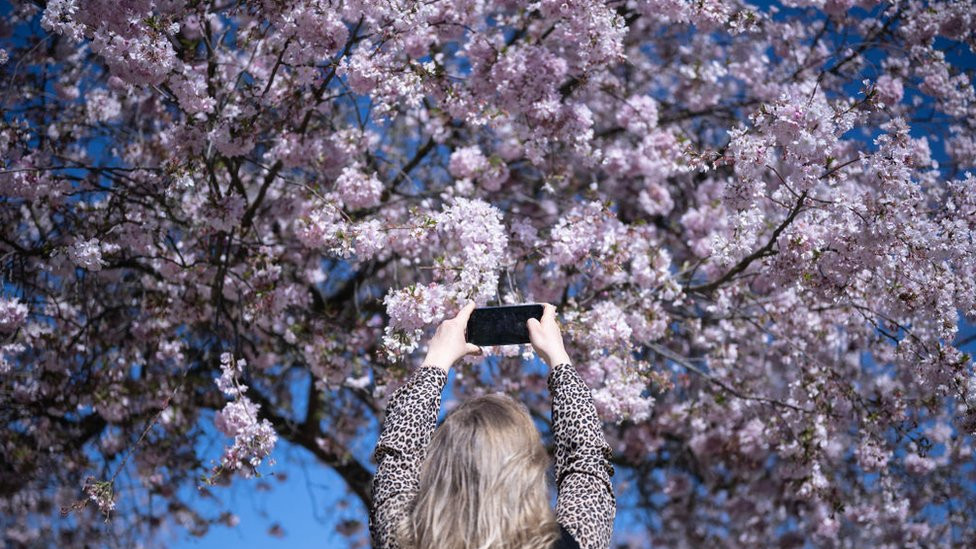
(746, 261)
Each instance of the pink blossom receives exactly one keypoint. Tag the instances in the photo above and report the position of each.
(59, 17)
(369, 239)
(191, 92)
(101, 494)
(467, 162)
(87, 254)
(752, 439)
(675, 11)
(474, 227)
(225, 213)
(318, 32)
(13, 314)
(889, 89)
(102, 106)
(321, 228)
(872, 457)
(575, 233)
(961, 147)
(655, 199)
(604, 326)
(525, 233)
(751, 153)
(231, 141)
(829, 523)
(621, 395)
(230, 370)
(253, 438)
(837, 7)
(638, 114)
(7, 353)
(415, 306)
(357, 189)
(140, 59)
(918, 465)
(361, 73)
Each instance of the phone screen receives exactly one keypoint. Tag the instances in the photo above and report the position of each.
(501, 325)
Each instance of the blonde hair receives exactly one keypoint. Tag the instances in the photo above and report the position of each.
(483, 482)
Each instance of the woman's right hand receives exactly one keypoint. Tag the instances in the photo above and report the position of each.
(546, 339)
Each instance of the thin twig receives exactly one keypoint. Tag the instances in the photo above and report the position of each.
(686, 363)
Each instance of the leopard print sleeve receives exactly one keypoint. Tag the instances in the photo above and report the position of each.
(585, 504)
(411, 417)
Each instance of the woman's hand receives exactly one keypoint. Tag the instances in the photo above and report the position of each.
(546, 338)
(448, 344)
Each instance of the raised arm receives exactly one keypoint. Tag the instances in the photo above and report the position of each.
(411, 417)
(585, 504)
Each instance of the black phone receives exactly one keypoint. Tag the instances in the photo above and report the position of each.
(501, 325)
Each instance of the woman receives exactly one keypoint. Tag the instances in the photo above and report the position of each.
(479, 481)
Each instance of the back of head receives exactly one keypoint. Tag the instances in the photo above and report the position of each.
(483, 482)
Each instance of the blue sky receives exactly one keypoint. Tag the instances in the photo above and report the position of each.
(304, 505)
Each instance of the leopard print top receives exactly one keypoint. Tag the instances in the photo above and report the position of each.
(585, 504)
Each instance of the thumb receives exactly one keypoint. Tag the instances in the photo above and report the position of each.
(533, 324)
(472, 349)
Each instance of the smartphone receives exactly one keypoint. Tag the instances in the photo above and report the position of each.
(501, 325)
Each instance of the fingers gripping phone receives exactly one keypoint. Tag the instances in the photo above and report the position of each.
(501, 325)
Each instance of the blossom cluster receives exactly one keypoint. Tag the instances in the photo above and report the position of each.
(13, 313)
(253, 438)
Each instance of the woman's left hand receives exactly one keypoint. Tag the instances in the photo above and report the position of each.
(448, 344)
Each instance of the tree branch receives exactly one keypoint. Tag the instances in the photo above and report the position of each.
(686, 363)
(746, 261)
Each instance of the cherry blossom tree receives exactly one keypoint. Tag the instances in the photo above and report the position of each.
(243, 217)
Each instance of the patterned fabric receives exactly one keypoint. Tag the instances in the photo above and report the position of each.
(411, 416)
(585, 504)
